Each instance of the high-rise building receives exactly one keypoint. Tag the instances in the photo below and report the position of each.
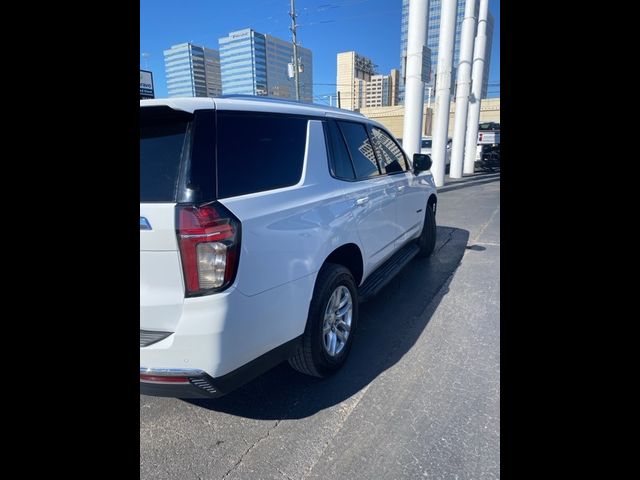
(212, 72)
(192, 71)
(256, 64)
(487, 63)
(433, 38)
(394, 87)
(382, 90)
(353, 71)
(377, 91)
(360, 86)
(279, 56)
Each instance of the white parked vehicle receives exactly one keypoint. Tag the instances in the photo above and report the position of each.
(263, 224)
(425, 148)
(489, 133)
(488, 140)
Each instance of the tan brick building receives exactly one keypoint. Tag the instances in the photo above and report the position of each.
(353, 71)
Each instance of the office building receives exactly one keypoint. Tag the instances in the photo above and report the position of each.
(252, 63)
(360, 86)
(212, 72)
(352, 73)
(192, 71)
(382, 90)
(433, 38)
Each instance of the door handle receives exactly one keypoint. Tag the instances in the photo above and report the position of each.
(361, 201)
(400, 188)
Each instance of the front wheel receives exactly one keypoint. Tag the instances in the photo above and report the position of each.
(331, 324)
(427, 239)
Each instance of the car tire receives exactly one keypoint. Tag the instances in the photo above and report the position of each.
(313, 356)
(427, 239)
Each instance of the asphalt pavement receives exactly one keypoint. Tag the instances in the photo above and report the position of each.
(419, 396)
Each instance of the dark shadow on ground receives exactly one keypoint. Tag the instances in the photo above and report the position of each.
(389, 326)
(470, 182)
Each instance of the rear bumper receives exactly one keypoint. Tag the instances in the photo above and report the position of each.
(180, 383)
(229, 337)
(177, 383)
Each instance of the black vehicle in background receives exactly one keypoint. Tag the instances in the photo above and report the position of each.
(489, 158)
(489, 140)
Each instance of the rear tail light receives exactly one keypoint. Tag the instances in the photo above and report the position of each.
(209, 240)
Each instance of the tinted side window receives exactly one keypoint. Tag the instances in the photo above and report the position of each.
(364, 159)
(258, 152)
(163, 136)
(389, 153)
(340, 162)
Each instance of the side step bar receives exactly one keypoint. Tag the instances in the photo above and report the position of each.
(385, 272)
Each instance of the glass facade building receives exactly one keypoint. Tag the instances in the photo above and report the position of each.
(433, 38)
(192, 71)
(212, 72)
(243, 63)
(255, 64)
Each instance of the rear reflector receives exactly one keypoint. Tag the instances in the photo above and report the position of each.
(162, 379)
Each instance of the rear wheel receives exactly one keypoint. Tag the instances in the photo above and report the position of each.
(427, 239)
(333, 316)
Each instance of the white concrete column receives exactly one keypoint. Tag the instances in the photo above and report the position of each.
(463, 88)
(473, 118)
(414, 86)
(443, 89)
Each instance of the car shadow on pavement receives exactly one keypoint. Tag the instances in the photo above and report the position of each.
(389, 326)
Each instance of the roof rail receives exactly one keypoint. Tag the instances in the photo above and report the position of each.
(266, 99)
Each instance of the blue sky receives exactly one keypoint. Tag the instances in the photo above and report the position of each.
(370, 27)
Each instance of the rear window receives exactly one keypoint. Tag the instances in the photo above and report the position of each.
(163, 134)
(258, 152)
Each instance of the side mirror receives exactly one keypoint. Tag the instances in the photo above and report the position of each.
(421, 162)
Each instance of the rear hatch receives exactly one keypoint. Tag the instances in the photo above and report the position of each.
(164, 145)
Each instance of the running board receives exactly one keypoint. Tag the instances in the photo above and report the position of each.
(385, 272)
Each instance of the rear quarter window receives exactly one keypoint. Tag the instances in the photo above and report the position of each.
(364, 160)
(258, 152)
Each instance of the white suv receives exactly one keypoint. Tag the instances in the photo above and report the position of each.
(263, 224)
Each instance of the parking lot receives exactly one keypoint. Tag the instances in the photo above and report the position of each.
(418, 398)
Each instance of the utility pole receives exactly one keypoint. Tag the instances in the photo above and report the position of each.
(464, 87)
(414, 83)
(295, 50)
